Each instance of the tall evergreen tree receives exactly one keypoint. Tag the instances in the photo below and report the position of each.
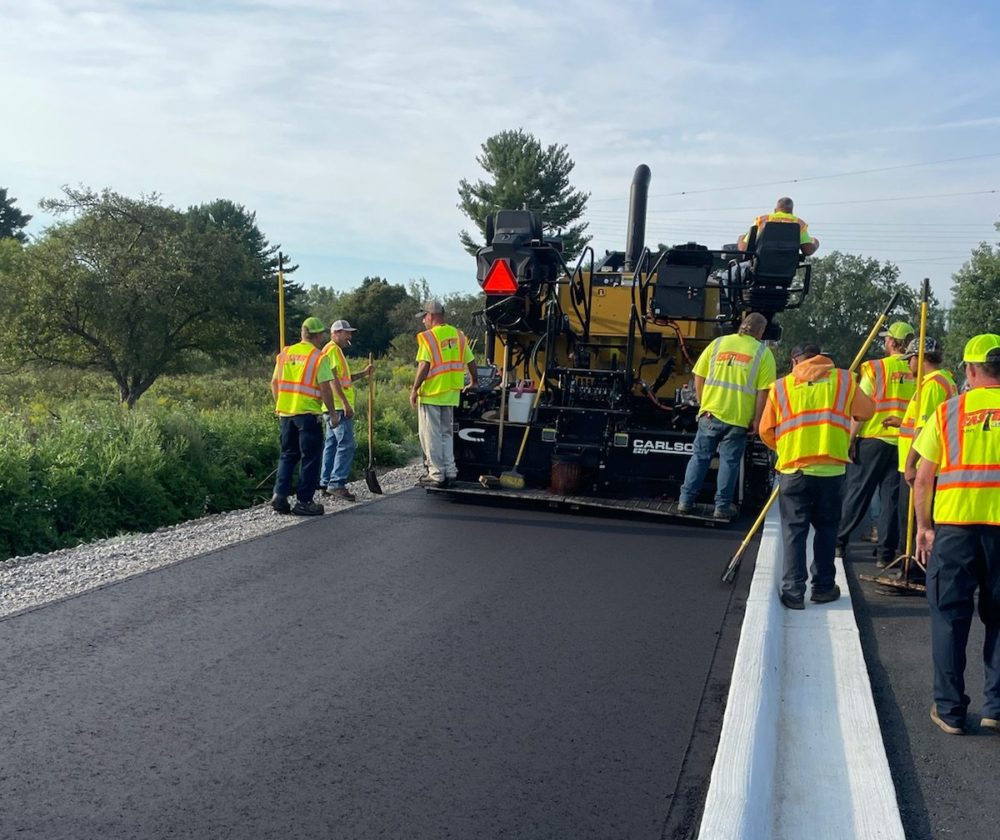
(12, 220)
(525, 175)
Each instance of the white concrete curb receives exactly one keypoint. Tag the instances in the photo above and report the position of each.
(801, 752)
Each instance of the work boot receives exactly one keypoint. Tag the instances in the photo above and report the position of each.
(826, 596)
(943, 725)
(990, 723)
(280, 504)
(341, 493)
(685, 508)
(427, 481)
(791, 602)
(308, 509)
(726, 512)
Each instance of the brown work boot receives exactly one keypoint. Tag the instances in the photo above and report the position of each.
(341, 493)
(943, 725)
(990, 723)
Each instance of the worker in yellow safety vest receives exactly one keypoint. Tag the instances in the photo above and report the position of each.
(807, 420)
(338, 452)
(443, 356)
(957, 499)
(783, 213)
(300, 385)
(938, 385)
(874, 445)
(731, 378)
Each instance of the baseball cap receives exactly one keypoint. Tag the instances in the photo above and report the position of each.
(980, 347)
(313, 324)
(431, 306)
(898, 330)
(807, 350)
(342, 325)
(932, 347)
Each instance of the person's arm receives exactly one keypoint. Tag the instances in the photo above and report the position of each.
(473, 374)
(361, 374)
(809, 248)
(910, 467)
(274, 389)
(326, 394)
(338, 389)
(423, 368)
(923, 502)
(767, 423)
(758, 411)
(699, 384)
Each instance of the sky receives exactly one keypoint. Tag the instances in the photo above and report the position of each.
(347, 126)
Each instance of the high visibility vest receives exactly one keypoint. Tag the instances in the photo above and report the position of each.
(812, 419)
(342, 373)
(298, 390)
(937, 387)
(446, 346)
(968, 483)
(893, 389)
(730, 389)
(778, 216)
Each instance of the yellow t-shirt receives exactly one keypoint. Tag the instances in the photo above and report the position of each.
(932, 394)
(743, 366)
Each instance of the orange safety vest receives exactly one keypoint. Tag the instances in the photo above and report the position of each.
(968, 483)
(894, 387)
(298, 390)
(446, 346)
(813, 422)
(343, 377)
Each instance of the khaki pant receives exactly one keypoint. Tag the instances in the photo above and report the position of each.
(436, 429)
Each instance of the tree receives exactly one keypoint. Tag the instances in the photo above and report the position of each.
(260, 278)
(130, 287)
(524, 175)
(380, 311)
(12, 220)
(848, 294)
(975, 292)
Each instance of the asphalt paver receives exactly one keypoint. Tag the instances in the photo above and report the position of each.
(945, 784)
(412, 668)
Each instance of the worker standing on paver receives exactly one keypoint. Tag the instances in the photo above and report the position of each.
(807, 420)
(874, 452)
(731, 378)
(300, 384)
(443, 356)
(938, 385)
(958, 533)
(338, 452)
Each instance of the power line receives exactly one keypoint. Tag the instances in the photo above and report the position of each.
(818, 177)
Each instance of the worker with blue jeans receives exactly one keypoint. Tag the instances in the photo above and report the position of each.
(732, 377)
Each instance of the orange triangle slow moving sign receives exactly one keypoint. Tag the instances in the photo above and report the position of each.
(500, 279)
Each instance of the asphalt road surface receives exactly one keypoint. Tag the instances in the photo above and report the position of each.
(946, 784)
(413, 668)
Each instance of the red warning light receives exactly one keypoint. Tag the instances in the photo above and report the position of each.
(500, 279)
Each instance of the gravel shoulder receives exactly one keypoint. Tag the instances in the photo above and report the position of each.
(30, 581)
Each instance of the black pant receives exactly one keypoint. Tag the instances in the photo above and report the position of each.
(876, 468)
(301, 438)
(965, 558)
(807, 500)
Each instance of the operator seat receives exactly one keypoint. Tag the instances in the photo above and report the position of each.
(774, 259)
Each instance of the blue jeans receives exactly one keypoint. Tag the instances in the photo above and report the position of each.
(730, 441)
(338, 453)
(301, 440)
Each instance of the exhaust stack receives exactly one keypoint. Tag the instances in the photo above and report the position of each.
(638, 198)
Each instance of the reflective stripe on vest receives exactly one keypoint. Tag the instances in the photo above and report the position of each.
(298, 390)
(438, 364)
(749, 388)
(804, 434)
(762, 220)
(891, 396)
(968, 493)
(446, 372)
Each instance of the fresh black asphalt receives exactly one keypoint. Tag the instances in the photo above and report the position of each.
(411, 668)
(946, 785)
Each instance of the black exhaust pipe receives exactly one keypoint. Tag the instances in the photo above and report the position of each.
(637, 201)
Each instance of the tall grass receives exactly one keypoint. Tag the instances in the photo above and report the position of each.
(75, 465)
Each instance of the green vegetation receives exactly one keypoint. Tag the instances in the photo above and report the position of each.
(76, 465)
(976, 291)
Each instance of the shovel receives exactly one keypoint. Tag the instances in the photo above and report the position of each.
(370, 478)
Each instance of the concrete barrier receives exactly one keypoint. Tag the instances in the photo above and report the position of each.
(801, 752)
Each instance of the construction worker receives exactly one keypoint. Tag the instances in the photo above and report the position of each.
(937, 386)
(874, 452)
(958, 533)
(300, 385)
(783, 208)
(731, 378)
(443, 356)
(338, 452)
(807, 420)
